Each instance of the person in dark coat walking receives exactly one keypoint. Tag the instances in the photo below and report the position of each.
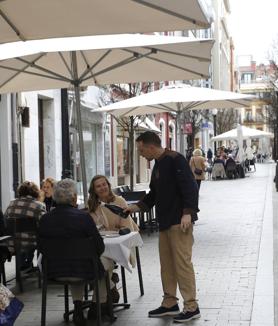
(66, 221)
(209, 156)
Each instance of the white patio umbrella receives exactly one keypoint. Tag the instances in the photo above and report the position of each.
(101, 60)
(167, 100)
(177, 99)
(39, 19)
(75, 62)
(247, 133)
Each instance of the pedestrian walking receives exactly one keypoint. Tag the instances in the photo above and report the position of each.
(174, 193)
(189, 153)
(209, 156)
(198, 166)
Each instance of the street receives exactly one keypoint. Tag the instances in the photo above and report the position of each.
(234, 275)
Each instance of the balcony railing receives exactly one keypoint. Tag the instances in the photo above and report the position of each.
(254, 120)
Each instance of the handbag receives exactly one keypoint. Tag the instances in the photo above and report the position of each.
(196, 170)
(10, 307)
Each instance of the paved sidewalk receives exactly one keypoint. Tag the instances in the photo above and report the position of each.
(232, 257)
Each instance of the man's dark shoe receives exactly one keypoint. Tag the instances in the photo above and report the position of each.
(163, 311)
(186, 316)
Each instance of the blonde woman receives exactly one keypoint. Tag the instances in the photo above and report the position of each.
(47, 190)
(198, 166)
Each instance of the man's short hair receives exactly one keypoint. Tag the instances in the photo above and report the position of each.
(149, 138)
(65, 191)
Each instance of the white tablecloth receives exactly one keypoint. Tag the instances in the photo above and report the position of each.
(119, 248)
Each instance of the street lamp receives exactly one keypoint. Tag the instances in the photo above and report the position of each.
(214, 113)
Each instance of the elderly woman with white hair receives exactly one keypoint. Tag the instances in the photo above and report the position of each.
(66, 221)
(198, 166)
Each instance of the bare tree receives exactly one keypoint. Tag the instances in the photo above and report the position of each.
(193, 117)
(273, 51)
(226, 120)
(119, 92)
(196, 118)
(273, 107)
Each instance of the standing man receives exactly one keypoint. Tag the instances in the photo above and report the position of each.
(174, 192)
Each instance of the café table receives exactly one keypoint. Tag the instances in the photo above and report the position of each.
(119, 248)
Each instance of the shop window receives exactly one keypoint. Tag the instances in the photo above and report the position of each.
(123, 156)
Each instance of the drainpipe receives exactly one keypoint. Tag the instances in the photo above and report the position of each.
(15, 142)
(0, 174)
(66, 166)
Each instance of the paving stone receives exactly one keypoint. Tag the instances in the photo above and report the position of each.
(225, 256)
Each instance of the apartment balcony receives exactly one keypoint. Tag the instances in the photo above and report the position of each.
(253, 121)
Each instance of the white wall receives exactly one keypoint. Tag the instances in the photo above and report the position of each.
(6, 151)
(52, 136)
(221, 48)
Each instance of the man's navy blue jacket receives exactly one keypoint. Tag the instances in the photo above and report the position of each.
(173, 190)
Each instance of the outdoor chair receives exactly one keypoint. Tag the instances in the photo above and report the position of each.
(147, 220)
(117, 191)
(5, 255)
(249, 163)
(71, 249)
(125, 188)
(231, 170)
(24, 239)
(240, 170)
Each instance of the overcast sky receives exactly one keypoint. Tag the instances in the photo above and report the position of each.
(253, 26)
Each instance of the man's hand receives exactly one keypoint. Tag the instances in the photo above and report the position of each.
(131, 209)
(185, 222)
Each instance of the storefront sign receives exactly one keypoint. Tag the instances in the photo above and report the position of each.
(187, 128)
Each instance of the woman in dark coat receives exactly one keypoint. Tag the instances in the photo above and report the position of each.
(47, 191)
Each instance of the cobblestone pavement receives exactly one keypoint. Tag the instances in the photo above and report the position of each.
(226, 257)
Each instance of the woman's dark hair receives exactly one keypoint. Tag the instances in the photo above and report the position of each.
(28, 188)
(93, 201)
(149, 138)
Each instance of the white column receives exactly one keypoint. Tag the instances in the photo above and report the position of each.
(6, 151)
(114, 157)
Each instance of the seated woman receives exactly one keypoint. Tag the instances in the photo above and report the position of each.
(47, 190)
(231, 167)
(218, 159)
(26, 205)
(100, 191)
